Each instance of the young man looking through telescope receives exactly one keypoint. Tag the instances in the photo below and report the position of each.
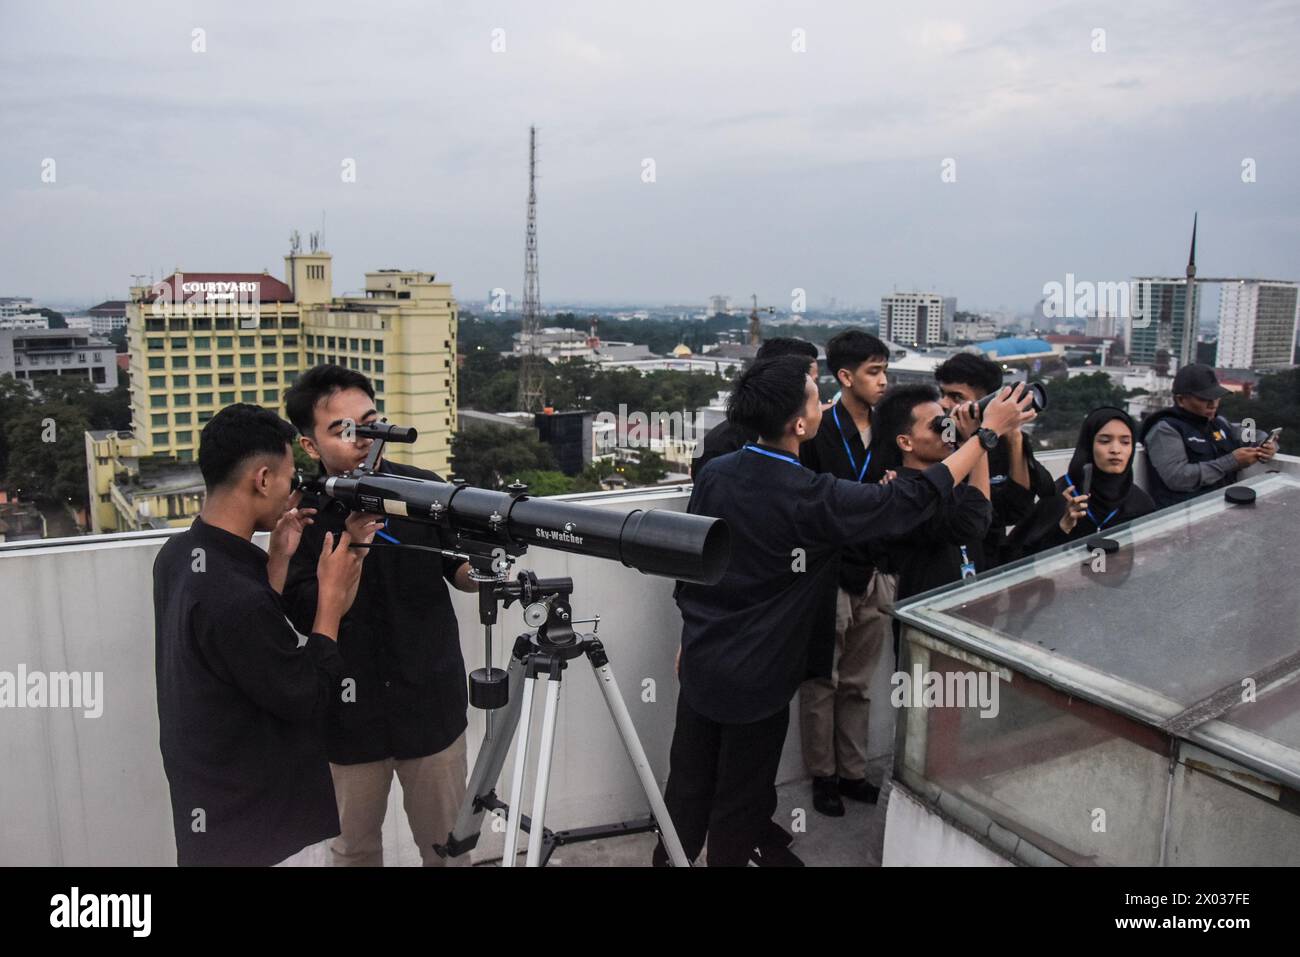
(399, 705)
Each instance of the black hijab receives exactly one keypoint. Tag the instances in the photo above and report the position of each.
(1108, 491)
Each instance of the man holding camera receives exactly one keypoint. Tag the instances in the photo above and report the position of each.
(399, 704)
(1016, 479)
(241, 694)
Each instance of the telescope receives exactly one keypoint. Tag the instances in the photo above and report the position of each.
(489, 524)
(489, 529)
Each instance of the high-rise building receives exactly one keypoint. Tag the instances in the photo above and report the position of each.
(1102, 326)
(949, 316)
(1257, 324)
(202, 341)
(913, 318)
(1158, 300)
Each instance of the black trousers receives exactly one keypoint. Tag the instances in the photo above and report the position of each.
(722, 784)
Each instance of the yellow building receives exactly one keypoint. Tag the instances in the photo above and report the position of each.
(201, 341)
(402, 335)
(128, 494)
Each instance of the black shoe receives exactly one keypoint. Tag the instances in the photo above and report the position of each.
(774, 835)
(768, 855)
(859, 790)
(826, 797)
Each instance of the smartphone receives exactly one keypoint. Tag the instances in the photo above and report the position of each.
(1087, 480)
(1271, 437)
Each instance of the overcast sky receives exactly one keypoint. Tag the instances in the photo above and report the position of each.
(773, 169)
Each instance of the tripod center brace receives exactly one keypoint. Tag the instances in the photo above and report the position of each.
(546, 651)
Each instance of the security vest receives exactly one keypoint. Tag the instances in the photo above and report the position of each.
(1203, 440)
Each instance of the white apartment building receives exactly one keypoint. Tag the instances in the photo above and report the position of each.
(1257, 324)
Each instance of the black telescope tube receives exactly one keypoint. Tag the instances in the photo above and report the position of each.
(692, 548)
(389, 433)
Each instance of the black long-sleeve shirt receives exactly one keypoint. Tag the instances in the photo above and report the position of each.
(930, 555)
(402, 691)
(745, 639)
(719, 440)
(1012, 503)
(839, 451)
(241, 703)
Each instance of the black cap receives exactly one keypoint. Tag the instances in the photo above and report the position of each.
(1199, 380)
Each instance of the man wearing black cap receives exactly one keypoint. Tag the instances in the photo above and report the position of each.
(1190, 447)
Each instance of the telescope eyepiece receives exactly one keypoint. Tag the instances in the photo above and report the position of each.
(387, 432)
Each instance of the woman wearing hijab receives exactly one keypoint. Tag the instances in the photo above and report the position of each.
(1105, 442)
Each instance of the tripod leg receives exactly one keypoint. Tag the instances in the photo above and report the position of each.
(627, 731)
(543, 783)
(488, 764)
(517, 782)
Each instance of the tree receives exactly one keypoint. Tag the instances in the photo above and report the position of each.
(42, 441)
(1069, 402)
(47, 452)
(1276, 403)
(648, 468)
(491, 456)
(15, 400)
(545, 483)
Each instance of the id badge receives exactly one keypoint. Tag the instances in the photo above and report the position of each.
(967, 566)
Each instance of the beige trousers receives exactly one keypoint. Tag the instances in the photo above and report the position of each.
(432, 790)
(833, 712)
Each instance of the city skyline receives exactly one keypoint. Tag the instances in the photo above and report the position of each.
(774, 169)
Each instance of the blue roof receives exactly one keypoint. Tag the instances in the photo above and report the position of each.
(1004, 348)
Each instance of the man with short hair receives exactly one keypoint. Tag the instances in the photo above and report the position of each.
(399, 705)
(1190, 448)
(726, 436)
(1017, 480)
(912, 434)
(853, 622)
(241, 694)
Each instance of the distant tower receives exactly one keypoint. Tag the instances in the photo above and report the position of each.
(1165, 351)
(1191, 321)
(530, 371)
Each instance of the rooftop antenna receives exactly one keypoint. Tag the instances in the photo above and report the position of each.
(530, 373)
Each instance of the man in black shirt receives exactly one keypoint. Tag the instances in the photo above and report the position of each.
(745, 640)
(911, 435)
(399, 705)
(241, 694)
(853, 622)
(727, 437)
(1017, 480)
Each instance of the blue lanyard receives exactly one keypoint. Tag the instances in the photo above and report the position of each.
(382, 534)
(774, 455)
(835, 414)
(1102, 524)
